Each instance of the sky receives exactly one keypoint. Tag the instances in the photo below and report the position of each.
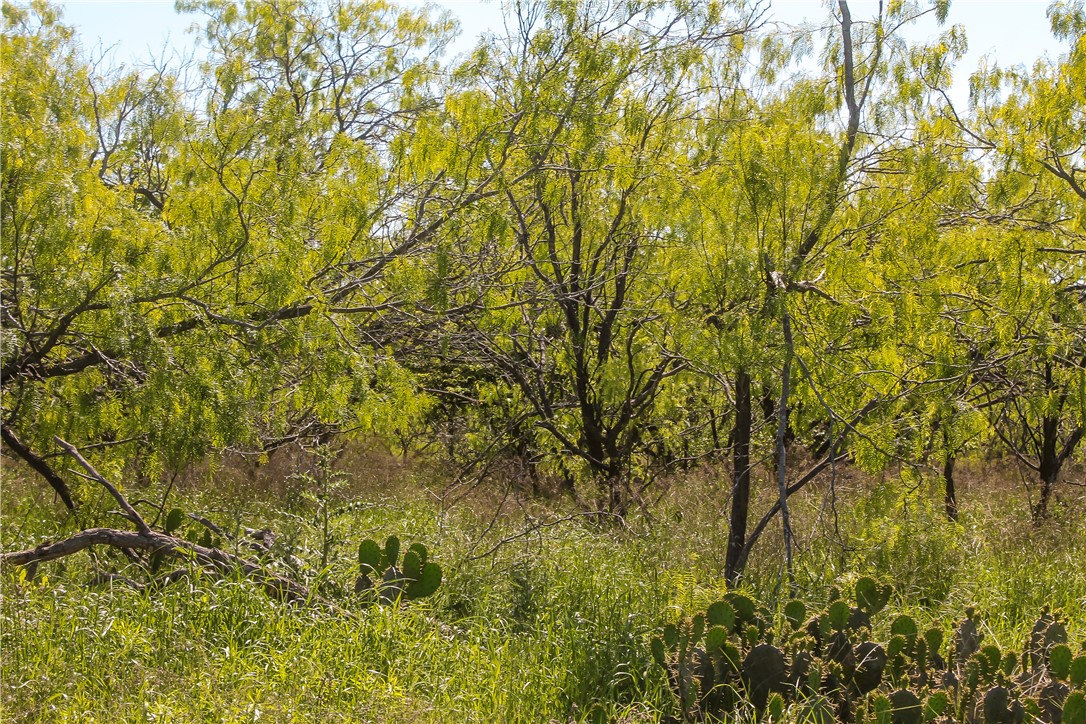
(1011, 31)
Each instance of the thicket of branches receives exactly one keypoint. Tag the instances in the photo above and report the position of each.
(614, 241)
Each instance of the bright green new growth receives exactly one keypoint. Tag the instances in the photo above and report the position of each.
(209, 291)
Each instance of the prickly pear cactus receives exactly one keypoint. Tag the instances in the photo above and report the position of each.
(380, 578)
(871, 597)
(831, 669)
(764, 672)
(905, 707)
(966, 637)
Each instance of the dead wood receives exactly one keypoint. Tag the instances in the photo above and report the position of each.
(277, 587)
(130, 512)
(38, 463)
(145, 539)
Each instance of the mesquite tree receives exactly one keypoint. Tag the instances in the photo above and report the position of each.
(793, 161)
(183, 279)
(579, 319)
(1029, 213)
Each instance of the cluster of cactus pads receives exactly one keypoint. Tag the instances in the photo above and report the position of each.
(383, 577)
(824, 668)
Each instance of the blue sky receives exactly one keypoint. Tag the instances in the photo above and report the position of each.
(1012, 31)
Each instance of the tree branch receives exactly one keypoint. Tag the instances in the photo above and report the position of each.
(39, 465)
(130, 512)
(280, 588)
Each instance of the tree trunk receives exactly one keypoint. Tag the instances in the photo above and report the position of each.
(617, 501)
(737, 533)
(782, 451)
(715, 432)
(1049, 467)
(951, 496)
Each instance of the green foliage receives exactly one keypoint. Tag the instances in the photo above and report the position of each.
(198, 275)
(555, 259)
(174, 519)
(566, 249)
(379, 578)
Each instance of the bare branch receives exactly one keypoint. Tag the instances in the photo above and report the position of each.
(130, 512)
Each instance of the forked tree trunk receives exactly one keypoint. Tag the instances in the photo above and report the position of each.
(1052, 460)
(1052, 456)
(813, 234)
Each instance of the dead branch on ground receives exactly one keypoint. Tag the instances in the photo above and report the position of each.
(145, 539)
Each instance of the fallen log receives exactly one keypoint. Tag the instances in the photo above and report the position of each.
(276, 586)
(146, 539)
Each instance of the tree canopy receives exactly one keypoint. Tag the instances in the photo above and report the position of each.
(616, 240)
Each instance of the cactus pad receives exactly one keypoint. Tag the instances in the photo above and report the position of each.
(763, 672)
(869, 661)
(426, 583)
(905, 707)
(904, 625)
(1074, 709)
(369, 556)
(721, 614)
(794, 613)
(872, 597)
(392, 552)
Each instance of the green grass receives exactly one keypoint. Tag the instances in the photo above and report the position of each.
(552, 627)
